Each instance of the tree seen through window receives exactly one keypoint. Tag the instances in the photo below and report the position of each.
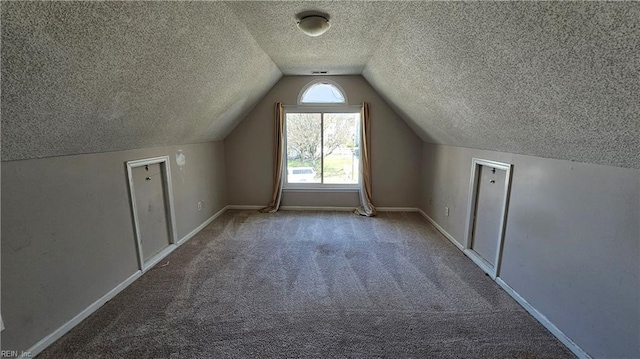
(323, 148)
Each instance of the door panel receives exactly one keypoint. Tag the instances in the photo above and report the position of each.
(151, 209)
(488, 213)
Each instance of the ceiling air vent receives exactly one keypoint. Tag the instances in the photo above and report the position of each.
(318, 72)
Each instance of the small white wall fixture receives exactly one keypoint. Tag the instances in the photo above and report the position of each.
(492, 270)
(163, 161)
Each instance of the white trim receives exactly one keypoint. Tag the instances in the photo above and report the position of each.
(201, 227)
(325, 208)
(328, 188)
(316, 208)
(164, 163)
(441, 230)
(570, 344)
(245, 206)
(480, 262)
(321, 107)
(158, 257)
(544, 321)
(58, 333)
(322, 81)
(397, 209)
(492, 270)
(330, 208)
(165, 252)
(49, 339)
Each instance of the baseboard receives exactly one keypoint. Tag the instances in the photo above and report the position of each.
(397, 209)
(481, 263)
(49, 339)
(544, 321)
(58, 333)
(345, 209)
(204, 224)
(317, 208)
(325, 208)
(441, 230)
(244, 206)
(523, 302)
(294, 208)
(158, 257)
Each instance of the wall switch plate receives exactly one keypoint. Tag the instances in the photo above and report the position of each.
(446, 211)
(199, 206)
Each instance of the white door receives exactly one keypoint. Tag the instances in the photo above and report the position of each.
(485, 240)
(487, 211)
(151, 207)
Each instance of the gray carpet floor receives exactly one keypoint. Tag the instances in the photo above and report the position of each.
(312, 285)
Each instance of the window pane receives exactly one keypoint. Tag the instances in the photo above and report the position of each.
(322, 93)
(303, 148)
(341, 148)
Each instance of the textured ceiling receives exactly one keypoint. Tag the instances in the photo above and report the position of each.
(559, 80)
(356, 29)
(81, 77)
(550, 79)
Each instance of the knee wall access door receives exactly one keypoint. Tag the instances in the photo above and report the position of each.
(152, 208)
(487, 210)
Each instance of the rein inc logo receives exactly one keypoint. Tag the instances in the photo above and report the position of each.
(15, 354)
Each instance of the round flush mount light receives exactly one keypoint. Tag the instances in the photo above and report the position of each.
(314, 25)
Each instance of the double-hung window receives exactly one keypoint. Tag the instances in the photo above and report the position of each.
(322, 138)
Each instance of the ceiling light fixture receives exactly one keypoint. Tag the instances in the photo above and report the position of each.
(314, 25)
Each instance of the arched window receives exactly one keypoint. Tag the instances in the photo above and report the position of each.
(322, 139)
(322, 92)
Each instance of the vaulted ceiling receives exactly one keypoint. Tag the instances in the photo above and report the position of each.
(549, 79)
(357, 27)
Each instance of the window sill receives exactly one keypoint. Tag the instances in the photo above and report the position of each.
(321, 189)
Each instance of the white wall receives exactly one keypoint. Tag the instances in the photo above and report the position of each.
(67, 230)
(572, 243)
(395, 151)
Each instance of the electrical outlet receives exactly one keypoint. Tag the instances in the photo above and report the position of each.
(199, 206)
(446, 211)
(203, 206)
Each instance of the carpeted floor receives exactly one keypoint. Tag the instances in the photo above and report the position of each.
(312, 285)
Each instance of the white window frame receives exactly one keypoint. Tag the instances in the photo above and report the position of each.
(316, 104)
(322, 109)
